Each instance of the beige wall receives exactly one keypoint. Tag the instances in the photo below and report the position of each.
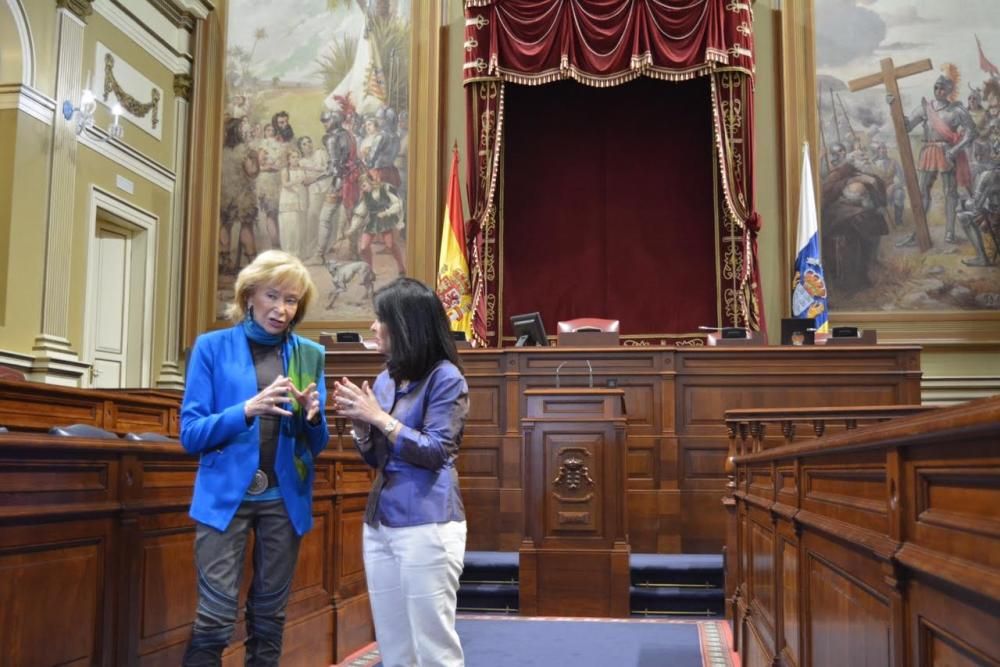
(33, 136)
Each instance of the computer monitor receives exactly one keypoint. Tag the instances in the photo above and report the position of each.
(528, 329)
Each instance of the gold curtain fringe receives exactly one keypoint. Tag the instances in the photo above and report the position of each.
(571, 72)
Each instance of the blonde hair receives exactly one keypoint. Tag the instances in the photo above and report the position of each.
(272, 267)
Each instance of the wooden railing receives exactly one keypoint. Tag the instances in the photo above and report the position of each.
(748, 429)
(873, 546)
(35, 406)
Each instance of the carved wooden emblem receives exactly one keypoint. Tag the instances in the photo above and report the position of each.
(573, 473)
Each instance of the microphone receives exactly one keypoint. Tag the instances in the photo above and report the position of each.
(590, 372)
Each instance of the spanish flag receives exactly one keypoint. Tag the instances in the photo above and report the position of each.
(453, 285)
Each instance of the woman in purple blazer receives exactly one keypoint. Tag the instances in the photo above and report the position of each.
(408, 426)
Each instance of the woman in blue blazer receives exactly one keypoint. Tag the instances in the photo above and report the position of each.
(408, 426)
(253, 411)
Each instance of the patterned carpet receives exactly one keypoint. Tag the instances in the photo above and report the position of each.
(584, 642)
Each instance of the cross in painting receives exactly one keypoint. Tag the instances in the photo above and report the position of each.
(889, 76)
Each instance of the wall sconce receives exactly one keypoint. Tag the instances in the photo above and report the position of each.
(84, 115)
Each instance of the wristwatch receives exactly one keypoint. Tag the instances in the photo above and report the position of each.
(390, 426)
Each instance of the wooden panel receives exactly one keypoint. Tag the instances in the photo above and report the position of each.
(787, 485)
(18, 414)
(703, 403)
(701, 521)
(641, 403)
(53, 604)
(484, 406)
(756, 653)
(169, 593)
(482, 519)
(140, 420)
(951, 631)
(848, 623)
(307, 637)
(955, 508)
(850, 493)
(701, 465)
(760, 482)
(641, 463)
(790, 612)
(349, 542)
(761, 577)
(352, 626)
(311, 566)
(33, 482)
(479, 466)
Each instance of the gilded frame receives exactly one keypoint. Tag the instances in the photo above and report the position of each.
(796, 69)
(204, 167)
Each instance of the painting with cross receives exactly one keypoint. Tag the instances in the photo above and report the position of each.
(909, 166)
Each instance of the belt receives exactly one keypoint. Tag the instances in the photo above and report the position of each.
(259, 484)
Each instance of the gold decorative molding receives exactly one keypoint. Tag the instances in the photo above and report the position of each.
(131, 104)
(79, 8)
(182, 86)
(177, 15)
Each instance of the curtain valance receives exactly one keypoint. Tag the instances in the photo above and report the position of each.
(604, 42)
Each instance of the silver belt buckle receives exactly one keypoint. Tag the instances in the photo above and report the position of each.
(259, 483)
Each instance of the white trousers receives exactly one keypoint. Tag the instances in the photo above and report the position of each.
(412, 575)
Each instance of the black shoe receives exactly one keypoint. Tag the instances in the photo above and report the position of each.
(910, 240)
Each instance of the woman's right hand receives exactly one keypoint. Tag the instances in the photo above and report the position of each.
(270, 399)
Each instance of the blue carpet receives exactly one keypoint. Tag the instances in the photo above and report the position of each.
(590, 643)
(543, 642)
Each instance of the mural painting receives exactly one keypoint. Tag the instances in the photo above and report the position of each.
(909, 230)
(314, 157)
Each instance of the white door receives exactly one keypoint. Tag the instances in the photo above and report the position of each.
(111, 302)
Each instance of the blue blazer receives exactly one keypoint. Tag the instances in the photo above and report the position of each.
(220, 379)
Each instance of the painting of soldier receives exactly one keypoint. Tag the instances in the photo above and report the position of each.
(315, 122)
(910, 154)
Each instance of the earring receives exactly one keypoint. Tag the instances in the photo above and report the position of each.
(249, 315)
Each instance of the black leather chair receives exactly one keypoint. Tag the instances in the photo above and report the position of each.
(83, 431)
(149, 436)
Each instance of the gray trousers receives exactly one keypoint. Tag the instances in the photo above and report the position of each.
(219, 559)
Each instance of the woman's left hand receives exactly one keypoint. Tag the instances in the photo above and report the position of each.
(357, 403)
(308, 399)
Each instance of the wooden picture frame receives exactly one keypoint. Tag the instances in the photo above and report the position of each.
(797, 69)
(200, 310)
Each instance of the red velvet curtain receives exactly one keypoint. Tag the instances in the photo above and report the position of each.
(605, 43)
(610, 236)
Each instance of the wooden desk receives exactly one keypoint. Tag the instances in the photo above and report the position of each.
(97, 556)
(875, 546)
(675, 400)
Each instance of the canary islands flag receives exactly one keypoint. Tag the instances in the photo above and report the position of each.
(453, 285)
(808, 285)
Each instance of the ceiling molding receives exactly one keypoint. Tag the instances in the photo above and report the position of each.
(166, 43)
(27, 100)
